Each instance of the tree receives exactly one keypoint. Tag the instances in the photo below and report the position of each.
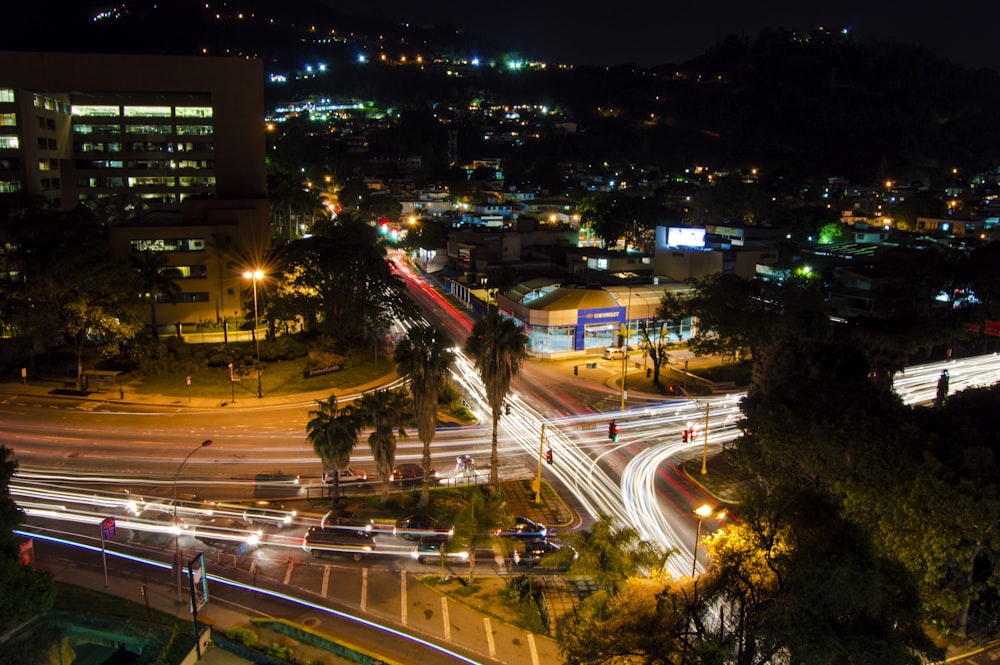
(384, 410)
(735, 315)
(333, 434)
(643, 624)
(424, 356)
(150, 267)
(802, 584)
(477, 521)
(24, 591)
(498, 348)
(656, 337)
(610, 554)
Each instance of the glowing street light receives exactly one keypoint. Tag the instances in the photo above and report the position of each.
(177, 528)
(702, 512)
(256, 275)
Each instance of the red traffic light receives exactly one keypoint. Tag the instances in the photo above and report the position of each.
(548, 457)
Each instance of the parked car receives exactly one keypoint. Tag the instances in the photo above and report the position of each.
(422, 527)
(524, 529)
(347, 475)
(332, 541)
(534, 552)
(410, 473)
(228, 531)
(342, 519)
(275, 485)
(430, 552)
(263, 512)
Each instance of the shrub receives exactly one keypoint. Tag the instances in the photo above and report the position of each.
(245, 636)
(280, 651)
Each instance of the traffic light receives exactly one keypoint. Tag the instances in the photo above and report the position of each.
(613, 431)
(649, 372)
(673, 389)
(506, 409)
(576, 370)
(548, 456)
(687, 434)
(684, 435)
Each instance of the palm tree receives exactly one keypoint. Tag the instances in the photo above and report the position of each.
(425, 357)
(498, 348)
(384, 410)
(333, 434)
(150, 267)
(476, 523)
(610, 554)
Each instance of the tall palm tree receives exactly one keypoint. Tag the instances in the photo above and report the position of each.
(424, 356)
(150, 267)
(384, 410)
(476, 524)
(333, 434)
(498, 348)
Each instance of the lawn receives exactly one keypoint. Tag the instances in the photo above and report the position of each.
(283, 377)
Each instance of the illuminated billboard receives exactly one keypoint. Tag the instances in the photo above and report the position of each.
(682, 236)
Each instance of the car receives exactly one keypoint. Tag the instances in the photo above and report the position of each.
(525, 529)
(155, 527)
(422, 527)
(347, 475)
(534, 551)
(263, 512)
(275, 485)
(429, 551)
(333, 541)
(409, 473)
(228, 531)
(344, 518)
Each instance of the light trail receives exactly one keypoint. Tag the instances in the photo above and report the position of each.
(345, 616)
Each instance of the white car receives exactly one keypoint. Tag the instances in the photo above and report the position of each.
(347, 475)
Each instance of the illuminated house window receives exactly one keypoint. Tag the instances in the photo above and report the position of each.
(8, 119)
(10, 186)
(7, 142)
(6, 95)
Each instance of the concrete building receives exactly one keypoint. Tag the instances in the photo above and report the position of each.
(124, 135)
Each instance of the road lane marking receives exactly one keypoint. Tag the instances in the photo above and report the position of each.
(326, 579)
(402, 595)
(447, 620)
(489, 637)
(364, 589)
(533, 649)
(288, 572)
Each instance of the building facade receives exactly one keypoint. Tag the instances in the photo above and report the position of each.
(168, 150)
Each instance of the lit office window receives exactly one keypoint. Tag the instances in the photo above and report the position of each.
(8, 119)
(10, 186)
(6, 95)
(196, 130)
(147, 112)
(96, 110)
(193, 111)
(9, 142)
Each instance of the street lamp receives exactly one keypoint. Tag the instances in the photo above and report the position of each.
(256, 275)
(177, 530)
(702, 512)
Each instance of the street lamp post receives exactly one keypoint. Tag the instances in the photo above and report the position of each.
(702, 512)
(177, 530)
(255, 275)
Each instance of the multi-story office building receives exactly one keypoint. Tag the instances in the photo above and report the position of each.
(182, 137)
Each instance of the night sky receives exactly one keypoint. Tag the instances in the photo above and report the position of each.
(649, 33)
